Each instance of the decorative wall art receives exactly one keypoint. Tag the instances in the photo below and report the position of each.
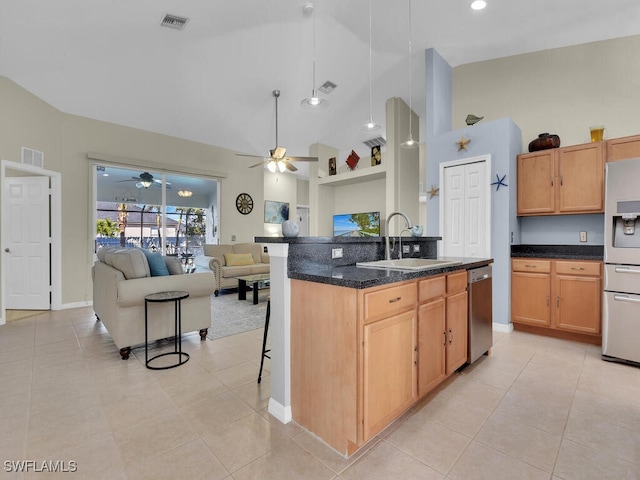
(332, 166)
(275, 212)
(376, 155)
(434, 192)
(352, 160)
(462, 143)
(500, 182)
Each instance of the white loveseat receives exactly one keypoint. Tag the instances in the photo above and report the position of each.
(121, 280)
(228, 262)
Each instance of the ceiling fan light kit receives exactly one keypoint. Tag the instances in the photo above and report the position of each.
(278, 161)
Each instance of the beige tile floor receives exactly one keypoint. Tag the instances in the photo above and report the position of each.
(538, 408)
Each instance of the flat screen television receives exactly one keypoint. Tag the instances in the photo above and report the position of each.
(365, 224)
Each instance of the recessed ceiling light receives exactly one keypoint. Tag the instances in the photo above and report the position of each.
(478, 4)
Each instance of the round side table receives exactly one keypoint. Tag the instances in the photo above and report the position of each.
(176, 297)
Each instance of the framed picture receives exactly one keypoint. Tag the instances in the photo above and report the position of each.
(376, 155)
(275, 212)
(332, 166)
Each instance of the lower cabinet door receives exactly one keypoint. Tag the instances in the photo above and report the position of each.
(456, 351)
(531, 298)
(389, 370)
(578, 304)
(431, 346)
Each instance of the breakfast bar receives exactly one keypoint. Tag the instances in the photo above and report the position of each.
(355, 347)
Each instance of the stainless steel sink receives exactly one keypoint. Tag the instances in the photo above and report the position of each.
(408, 264)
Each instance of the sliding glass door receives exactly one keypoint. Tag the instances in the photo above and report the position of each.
(170, 213)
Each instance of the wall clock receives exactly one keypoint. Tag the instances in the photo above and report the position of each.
(244, 203)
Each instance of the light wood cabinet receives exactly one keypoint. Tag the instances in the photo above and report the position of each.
(389, 370)
(557, 297)
(558, 181)
(442, 328)
(623, 148)
(531, 292)
(360, 358)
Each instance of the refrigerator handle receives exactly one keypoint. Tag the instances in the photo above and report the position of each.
(626, 298)
(626, 270)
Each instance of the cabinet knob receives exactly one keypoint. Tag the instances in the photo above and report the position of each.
(394, 300)
(531, 266)
(547, 300)
(577, 268)
(558, 301)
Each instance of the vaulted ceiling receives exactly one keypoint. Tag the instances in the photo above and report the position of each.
(212, 82)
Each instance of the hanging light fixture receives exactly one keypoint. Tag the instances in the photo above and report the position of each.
(370, 125)
(184, 192)
(410, 142)
(313, 102)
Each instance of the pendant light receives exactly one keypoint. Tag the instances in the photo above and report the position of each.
(370, 125)
(410, 142)
(313, 102)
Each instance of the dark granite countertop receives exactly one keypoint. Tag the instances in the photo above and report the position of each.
(361, 277)
(574, 252)
(333, 240)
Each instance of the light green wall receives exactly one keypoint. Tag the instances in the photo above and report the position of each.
(25, 120)
(561, 91)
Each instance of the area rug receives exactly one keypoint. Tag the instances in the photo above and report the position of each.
(230, 316)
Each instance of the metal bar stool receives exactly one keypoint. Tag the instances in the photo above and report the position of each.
(264, 339)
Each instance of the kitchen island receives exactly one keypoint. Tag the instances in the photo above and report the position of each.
(359, 346)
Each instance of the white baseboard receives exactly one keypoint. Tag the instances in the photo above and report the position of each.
(502, 327)
(67, 306)
(279, 411)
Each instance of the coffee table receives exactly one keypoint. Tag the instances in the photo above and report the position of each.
(255, 281)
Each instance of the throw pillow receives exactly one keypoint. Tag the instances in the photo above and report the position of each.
(173, 265)
(238, 259)
(156, 263)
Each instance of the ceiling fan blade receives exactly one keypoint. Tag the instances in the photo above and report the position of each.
(302, 159)
(290, 167)
(258, 164)
(278, 153)
(247, 155)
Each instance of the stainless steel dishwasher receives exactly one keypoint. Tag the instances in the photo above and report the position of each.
(480, 332)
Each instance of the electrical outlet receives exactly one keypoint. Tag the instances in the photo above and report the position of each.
(233, 238)
(336, 253)
(583, 236)
(406, 248)
(416, 248)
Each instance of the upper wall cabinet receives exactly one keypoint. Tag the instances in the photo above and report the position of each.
(623, 148)
(562, 181)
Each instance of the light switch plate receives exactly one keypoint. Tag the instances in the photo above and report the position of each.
(583, 236)
(336, 253)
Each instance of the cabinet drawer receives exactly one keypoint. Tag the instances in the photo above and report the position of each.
(531, 265)
(456, 282)
(578, 268)
(389, 301)
(431, 288)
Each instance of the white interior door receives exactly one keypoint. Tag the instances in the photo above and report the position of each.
(27, 250)
(465, 216)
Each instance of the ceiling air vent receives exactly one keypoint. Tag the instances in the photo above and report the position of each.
(174, 21)
(327, 87)
(375, 141)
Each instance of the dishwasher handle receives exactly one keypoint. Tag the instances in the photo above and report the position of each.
(479, 274)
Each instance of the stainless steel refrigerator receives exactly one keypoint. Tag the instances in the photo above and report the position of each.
(621, 297)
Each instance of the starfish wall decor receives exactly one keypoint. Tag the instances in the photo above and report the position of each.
(434, 191)
(500, 182)
(462, 143)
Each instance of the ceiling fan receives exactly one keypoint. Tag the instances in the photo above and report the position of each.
(277, 160)
(146, 180)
